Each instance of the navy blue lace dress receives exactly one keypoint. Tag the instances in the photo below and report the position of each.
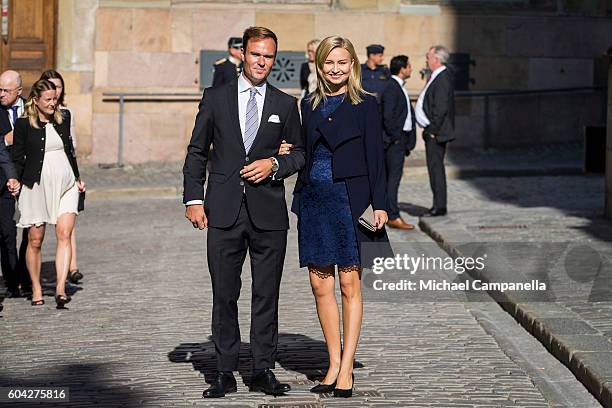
(326, 233)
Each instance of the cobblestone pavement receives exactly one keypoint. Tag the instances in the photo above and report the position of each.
(137, 330)
(547, 214)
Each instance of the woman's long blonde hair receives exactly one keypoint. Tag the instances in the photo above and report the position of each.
(30, 109)
(354, 89)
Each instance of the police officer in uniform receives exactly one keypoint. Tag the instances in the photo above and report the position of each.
(228, 68)
(374, 75)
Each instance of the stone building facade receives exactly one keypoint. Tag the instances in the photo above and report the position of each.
(153, 46)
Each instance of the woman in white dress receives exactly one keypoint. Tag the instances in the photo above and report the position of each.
(47, 168)
(74, 274)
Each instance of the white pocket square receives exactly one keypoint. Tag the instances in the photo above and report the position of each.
(274, 119)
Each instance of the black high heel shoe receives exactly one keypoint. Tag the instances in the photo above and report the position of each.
(75, 276)
(342, 393)
(62, 300)
(323, 388)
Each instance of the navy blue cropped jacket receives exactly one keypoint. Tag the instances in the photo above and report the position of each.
(354, 135)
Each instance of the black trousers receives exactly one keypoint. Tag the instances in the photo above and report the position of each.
(434, 153)
(395, 155)
(13, 271)
(227, 249)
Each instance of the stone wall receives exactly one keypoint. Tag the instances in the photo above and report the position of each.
(153, 46)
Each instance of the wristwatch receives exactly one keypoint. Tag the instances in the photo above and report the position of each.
(274, 164)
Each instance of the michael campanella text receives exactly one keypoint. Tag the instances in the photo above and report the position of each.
(444, 285)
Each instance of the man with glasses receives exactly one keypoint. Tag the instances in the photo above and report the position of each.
(227, 69)
(13, 270)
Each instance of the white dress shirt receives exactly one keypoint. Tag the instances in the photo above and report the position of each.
(408, 123)
(243, 98)
(9, 111)
(421, 117)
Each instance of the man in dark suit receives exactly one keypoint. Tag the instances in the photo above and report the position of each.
(399, 134)
(228, 68)
(435, 113)
(13, 269)
(244, 208)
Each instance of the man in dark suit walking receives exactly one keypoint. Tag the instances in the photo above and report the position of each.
(435, 113)
(244, 208)
(13, 269)
(399, 134)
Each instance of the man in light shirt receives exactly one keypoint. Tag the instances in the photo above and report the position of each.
(435, 113)
(399, 134)
(244, 208)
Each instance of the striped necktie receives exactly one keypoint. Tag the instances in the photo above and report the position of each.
(251, 124)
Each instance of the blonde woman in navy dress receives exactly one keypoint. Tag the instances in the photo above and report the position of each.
(343, 175)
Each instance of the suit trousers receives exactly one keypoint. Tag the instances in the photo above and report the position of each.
(227, 249)
(395, 155)
(8, 241)
(434, 153)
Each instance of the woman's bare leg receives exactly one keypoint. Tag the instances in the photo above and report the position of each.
(352, 313)
(36, 236)
(323, 283)
(63, 253)
(73, 246)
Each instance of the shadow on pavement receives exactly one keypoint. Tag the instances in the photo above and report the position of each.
(296, 352)
(413, 209)
(88, 385)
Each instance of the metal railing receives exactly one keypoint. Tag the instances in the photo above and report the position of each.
(123, 97)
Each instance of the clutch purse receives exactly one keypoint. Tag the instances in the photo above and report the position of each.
(81, 205)
(367, 219)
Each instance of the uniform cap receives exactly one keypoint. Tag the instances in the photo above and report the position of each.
(375, 49)
(234, 42)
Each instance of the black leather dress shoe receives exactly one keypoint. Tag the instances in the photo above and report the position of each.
(267, 383)
(435, 212)
(223, 384)
(13, 292)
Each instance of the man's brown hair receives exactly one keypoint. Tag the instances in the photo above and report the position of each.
(258, 33)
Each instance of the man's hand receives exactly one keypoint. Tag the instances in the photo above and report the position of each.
(380, 218)
(13, 186)
(195, 213)
(8, 138)
(257, 171)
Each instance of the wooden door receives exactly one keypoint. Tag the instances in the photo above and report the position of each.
(28, 46)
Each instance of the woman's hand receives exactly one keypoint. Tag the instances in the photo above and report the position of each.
(13, 186)
(81, 185)
(380, 218)
(285, 148)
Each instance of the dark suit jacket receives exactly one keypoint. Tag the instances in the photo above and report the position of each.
(394, 112)
(354, 135)
(6, 164)
(29, 149)
(5, 127)
(224, 72)
(304, 72)
(439, 106)
(217, 123)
